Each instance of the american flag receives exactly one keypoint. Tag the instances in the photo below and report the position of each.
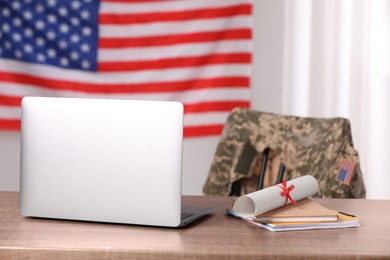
(197, 52)
(346, 172)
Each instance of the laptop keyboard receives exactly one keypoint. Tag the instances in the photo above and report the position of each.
(186, 215)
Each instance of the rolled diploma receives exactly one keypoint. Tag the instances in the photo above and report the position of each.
(265, 200)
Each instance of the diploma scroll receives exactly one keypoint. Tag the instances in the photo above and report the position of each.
(268, 199)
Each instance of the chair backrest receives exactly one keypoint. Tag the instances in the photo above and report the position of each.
(321, 147)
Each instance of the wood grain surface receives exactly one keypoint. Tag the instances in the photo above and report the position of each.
(217, 236)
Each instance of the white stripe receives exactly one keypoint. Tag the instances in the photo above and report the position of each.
(187, 97)
(161, 29)
(210, 95)
(177, 51)
(145, 76)
(199, 119)
(7, 112)
(189, 119)
(165, 6)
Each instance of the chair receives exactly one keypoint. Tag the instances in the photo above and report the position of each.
(254, 143)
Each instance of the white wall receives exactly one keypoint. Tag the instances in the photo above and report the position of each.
(9, 161)
(198, 152)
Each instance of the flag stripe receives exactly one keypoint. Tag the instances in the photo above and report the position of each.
(232, 94)
(136, 7)
(150, 17)
(124, 88)
(175, 51)
(191, 26)
(10, 124)
(15, 101)
(175, 62)
(196, 116)
(133, 1)
(191, 131)
(190, 119)
(126, 42)
(166, 75)
(350, 171)
(9, 100)
(199, 131)
(205, 118)
(214, 106)
(10, 112)
(193, 122)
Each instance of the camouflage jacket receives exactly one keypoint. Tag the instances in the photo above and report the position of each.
(318, 147)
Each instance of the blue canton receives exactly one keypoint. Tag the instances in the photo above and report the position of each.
(342, 175)
(62, 33)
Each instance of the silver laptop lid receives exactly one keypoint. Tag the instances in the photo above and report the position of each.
(102, 160)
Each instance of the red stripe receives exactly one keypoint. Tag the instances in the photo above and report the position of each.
(350, 175)
(234, 34)
(214, 106)
(10, 101)
(134, 1)
(150, 17)
(158, 87)
(350, 168)
(204, 130)
(188, 108)
(175, 62)
(13, 125)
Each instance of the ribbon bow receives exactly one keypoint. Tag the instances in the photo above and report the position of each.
(286, 192)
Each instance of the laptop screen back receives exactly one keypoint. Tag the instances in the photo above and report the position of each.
(102, 160)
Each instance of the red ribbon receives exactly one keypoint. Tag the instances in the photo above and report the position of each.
(286, 192)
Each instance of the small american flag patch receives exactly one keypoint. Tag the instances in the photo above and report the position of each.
(346, 172)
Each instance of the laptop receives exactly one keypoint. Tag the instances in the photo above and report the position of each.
(104, 160)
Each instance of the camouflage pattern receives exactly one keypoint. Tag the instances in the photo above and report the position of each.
(311, 146)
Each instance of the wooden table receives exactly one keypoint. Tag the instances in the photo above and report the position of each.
(215, 237)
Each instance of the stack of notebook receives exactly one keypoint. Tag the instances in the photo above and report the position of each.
(306, 214)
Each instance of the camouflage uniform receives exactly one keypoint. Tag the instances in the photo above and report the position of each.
(304, 145)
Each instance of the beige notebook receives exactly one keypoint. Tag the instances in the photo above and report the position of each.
(344, 221)
(305, 210)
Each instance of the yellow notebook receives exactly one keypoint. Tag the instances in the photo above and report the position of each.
(305, 210)
(344, 221)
